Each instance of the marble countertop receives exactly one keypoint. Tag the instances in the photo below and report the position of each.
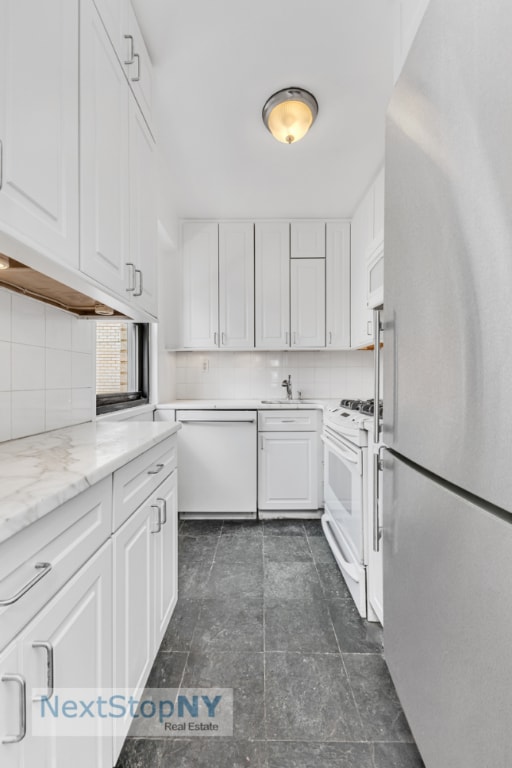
(40, 472)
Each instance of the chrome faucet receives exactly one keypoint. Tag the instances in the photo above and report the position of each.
(288, 384)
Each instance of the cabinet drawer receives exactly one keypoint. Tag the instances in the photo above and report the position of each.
(137, 480)
(64, 539)
(288, 421)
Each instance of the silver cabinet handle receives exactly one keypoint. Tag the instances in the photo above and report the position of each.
(48, 647)
(159, 518)
(288, 421)
(330, 337)
(131, 286)
(157, 469)
(164, 510)
(137, 77)
(261, 443)
(22, 708)
(369, 328)
(286, 338)
(294, 338)
(223, 338)
(138, 292)
(43, 568)
(131, 55)
(215, 338)
(1, 163)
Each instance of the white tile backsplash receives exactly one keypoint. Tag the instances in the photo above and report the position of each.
(46, 367)
(259, 375)
(28, 413)
(27, 321)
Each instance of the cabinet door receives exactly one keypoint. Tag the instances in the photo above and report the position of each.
(236, 285)
(307, 240)
(12, 706)
(139, 69)
(39, 125)
(113, 16)
(133, 613)
(200, 284)
(337, 285)
(143, 222)
(361, 330)
(272, 256)
(77, 626)
(104, 156)
(308, 302)
(288, 471)
(165, 558)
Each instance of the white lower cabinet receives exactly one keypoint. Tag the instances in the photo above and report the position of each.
(165, 559)
(146, 589)
(133, 626)
(288, 473)
(289, 460)
(107, 602)
(67, 648)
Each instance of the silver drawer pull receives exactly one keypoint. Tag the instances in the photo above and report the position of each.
(22, 708)
(164, 510)
(158, 518)
(48, 647)
(131, 55)
(155, 471)
(137, 76)
(288, 421)
(43, 568)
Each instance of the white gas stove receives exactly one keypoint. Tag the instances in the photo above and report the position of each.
(345, 438)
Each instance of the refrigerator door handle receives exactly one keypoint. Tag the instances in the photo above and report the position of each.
(377, 467)
(377, 361)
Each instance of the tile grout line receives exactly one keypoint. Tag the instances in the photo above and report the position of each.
(337, 643)
(264, 649)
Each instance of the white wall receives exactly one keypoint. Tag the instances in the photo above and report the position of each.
(46, 367)
(259, 374)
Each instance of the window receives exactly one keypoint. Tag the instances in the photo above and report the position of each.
(122, 365)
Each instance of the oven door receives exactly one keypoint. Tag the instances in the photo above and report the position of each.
(343, 489)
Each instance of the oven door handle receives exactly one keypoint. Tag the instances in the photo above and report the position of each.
(351, 570)
(350, 457)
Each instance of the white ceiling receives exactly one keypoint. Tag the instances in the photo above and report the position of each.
(217, 61)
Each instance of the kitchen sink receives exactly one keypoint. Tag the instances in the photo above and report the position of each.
(285, 401)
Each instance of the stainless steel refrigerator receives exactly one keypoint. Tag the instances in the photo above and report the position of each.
(447, 326)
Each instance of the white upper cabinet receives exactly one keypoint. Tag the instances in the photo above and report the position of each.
(307, 303)
(236, 285)
(104, 157)
(143, 213)
(366, 261)
(200, 246)
(39, 125)
(307, 240)
(138, 67)
(337, 285)
(272, 262)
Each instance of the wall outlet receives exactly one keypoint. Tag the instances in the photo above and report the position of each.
(205, 365)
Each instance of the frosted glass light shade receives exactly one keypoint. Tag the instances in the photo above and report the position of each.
(289, 114)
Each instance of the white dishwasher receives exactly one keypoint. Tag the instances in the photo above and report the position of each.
(218, 463)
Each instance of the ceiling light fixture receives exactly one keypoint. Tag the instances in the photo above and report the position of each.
(4, 262)
(289, 114)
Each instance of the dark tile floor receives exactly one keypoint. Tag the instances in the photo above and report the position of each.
(263, 609)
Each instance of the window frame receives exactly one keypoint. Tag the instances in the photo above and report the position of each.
(138, 374)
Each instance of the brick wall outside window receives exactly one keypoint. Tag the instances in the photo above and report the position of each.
(111, 358)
